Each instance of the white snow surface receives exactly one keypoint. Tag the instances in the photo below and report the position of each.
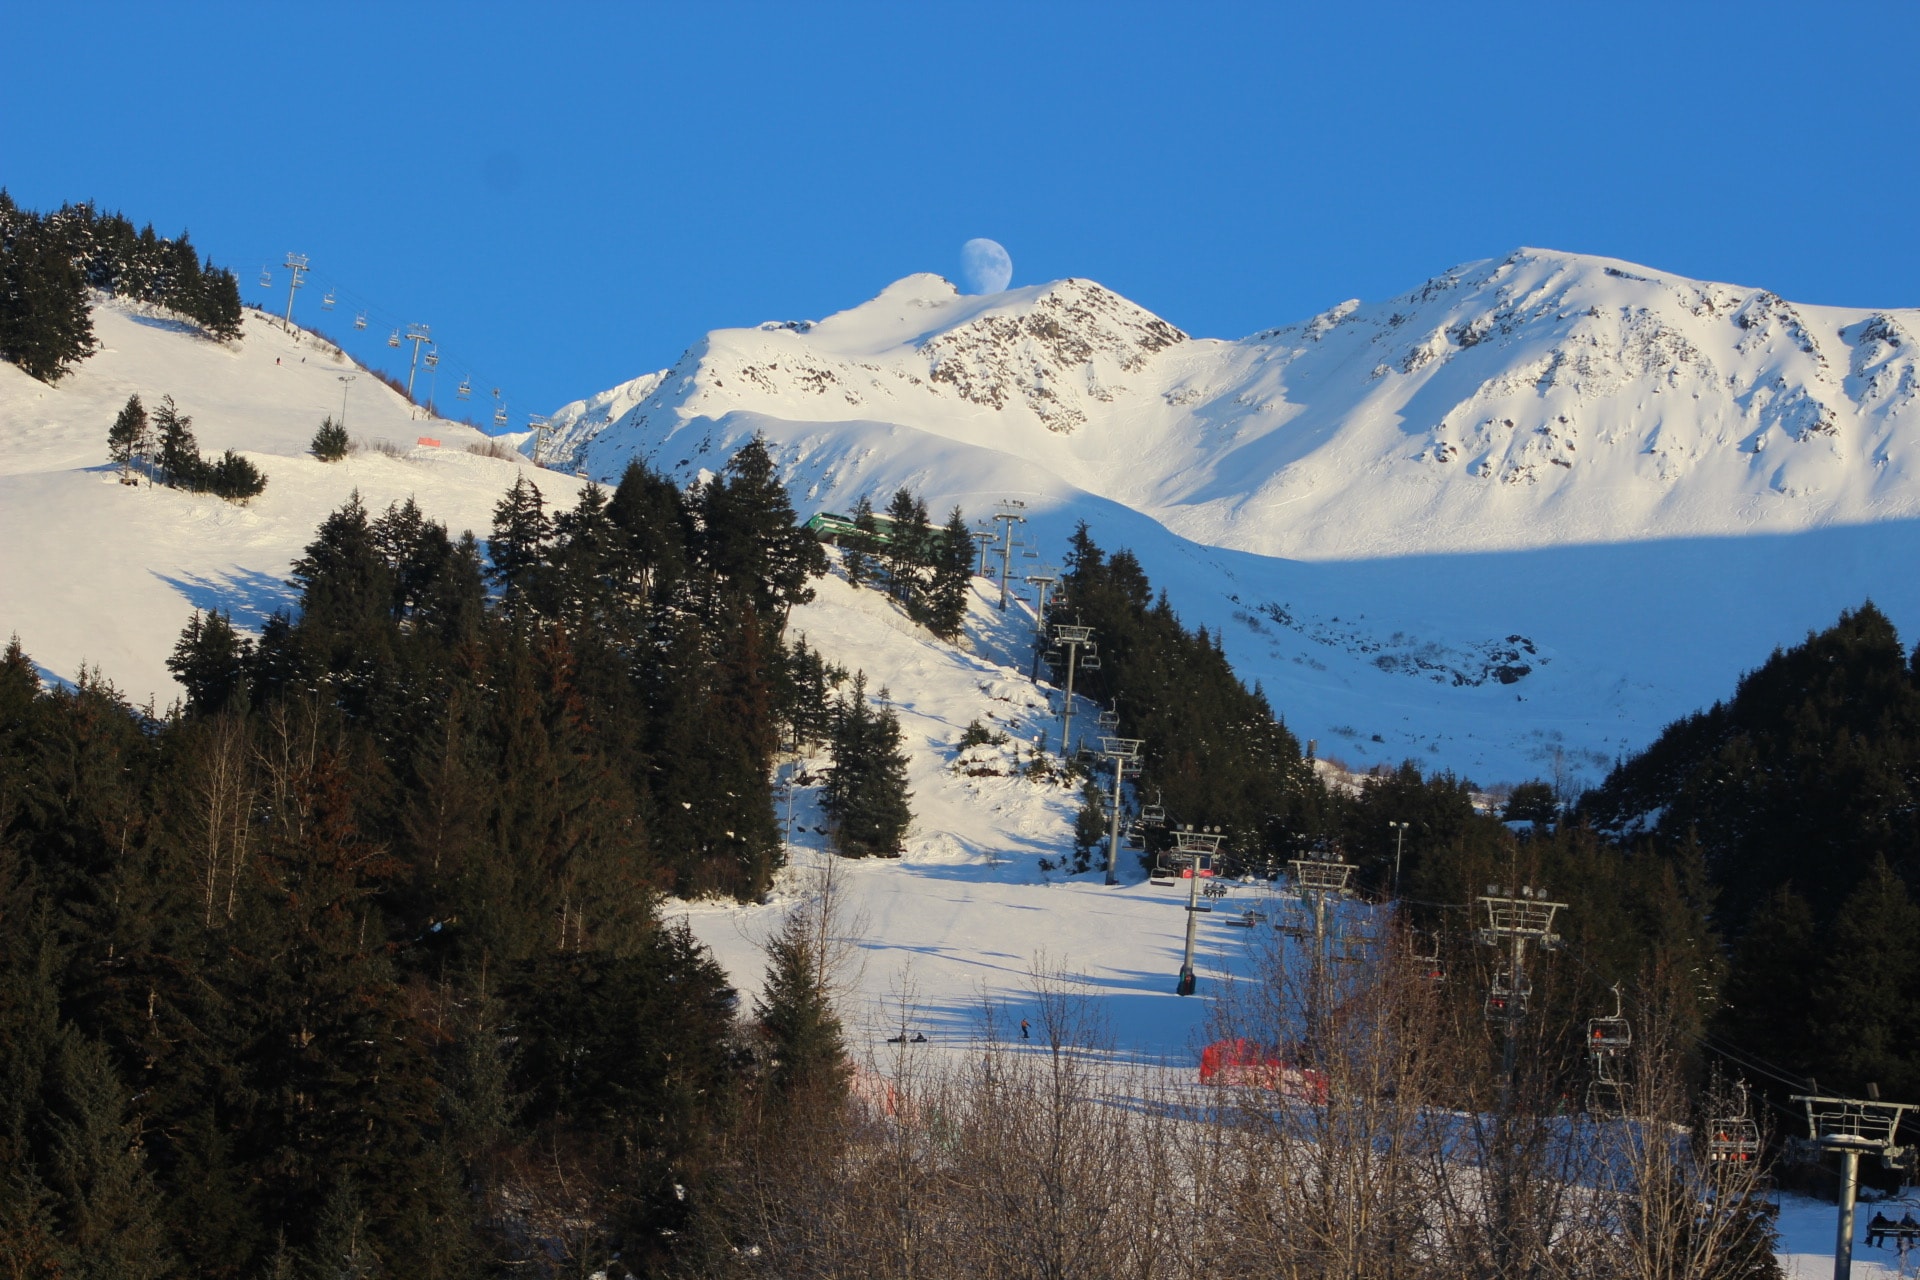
(104, 574)
(1510, 523)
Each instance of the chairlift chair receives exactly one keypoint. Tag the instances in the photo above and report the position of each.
(431, 359)
(393, 339)
(266, 277)
(1607, 1036)
(327, 300)
(1734, 1138)
(360, 320)
(1507, 996)
(500, 418)
(465, 389)
(1090, 660)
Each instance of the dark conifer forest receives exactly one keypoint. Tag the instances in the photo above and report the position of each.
(49, 262)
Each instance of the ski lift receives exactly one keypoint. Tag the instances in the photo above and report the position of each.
(1507, 997)
(1090, 660)
(1154, 814)
(327, 300)
(465, 389)
(500, 418)
(360, 320)
(1108, 720)
(393, 339)
(1429, 967)
(266, 277)
(432, 358)
(1608, 1036)
(1734, 1139)
(1604, 1099)
(1295, 922)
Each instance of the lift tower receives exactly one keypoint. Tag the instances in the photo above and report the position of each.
(1073, 639)
(1515, 918)
(1194, 851)
(1123, 752)
(416, 334)
(1011, 512)
(296, 265)
(1852, 1126)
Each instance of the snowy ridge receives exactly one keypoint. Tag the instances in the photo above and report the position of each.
(1543, 399)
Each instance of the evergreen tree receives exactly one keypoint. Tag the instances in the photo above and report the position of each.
(127, 439)
(858, 551)
(232, 477)
(45, 326)
(866, 789)
(750, 536)
(1090, 825)
(330, 442)
(796, 1015)
(907, 547)
(1869, 1001)
(952, 578)
(211, 661)
(522, 532)
(179, 452)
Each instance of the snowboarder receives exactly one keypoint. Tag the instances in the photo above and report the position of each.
(1024, 1034)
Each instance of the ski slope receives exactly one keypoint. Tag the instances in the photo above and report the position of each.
(105, 575)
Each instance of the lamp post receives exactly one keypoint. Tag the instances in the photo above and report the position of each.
(1399, 838)
(346, 381)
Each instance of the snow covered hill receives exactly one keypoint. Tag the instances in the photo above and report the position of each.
(99, 573)
(1511, 522)
(1543, 399)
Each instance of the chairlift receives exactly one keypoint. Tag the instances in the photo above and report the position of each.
(266, 277)
(500, 418)
(360, 320)
(1607, 1036)
(393, 339)
(1108, 719)
(1090, 661)
(1507, 997)
(1295, 922)
(465, 389)
(1154, 814)
(431, 359)
(1733, 1139)
(327, 300)
(1430, 967)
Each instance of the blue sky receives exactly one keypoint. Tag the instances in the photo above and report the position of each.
(571, 194)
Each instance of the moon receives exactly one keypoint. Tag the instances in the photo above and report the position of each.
(984, 266)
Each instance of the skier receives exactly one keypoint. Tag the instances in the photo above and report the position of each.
(1023, 1030)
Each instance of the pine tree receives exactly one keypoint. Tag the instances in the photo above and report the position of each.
(45, 325)
(906, 554)
(109, 1204)
(330, 442)
(858, 550)
(952, 578)
(866, 789)
(1089, 825)
(210, 660)
(232, 477)
(1869, 1002)
(127, 439)
(179, 452)
(522, 533)
(796, 1015)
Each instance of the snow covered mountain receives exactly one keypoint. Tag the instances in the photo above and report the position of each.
(1543, 399)
(1510, 522)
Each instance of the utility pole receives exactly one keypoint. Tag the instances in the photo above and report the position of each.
(296, 265)
(1851, 1126)
(1399, 837)
(1073, 639)
(1008, 516)
(1122, 751)
(346, 381)
(416, 334)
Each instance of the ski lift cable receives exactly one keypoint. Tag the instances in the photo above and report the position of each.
(382, 316)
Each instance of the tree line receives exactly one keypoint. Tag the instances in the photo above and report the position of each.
(49, 262)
